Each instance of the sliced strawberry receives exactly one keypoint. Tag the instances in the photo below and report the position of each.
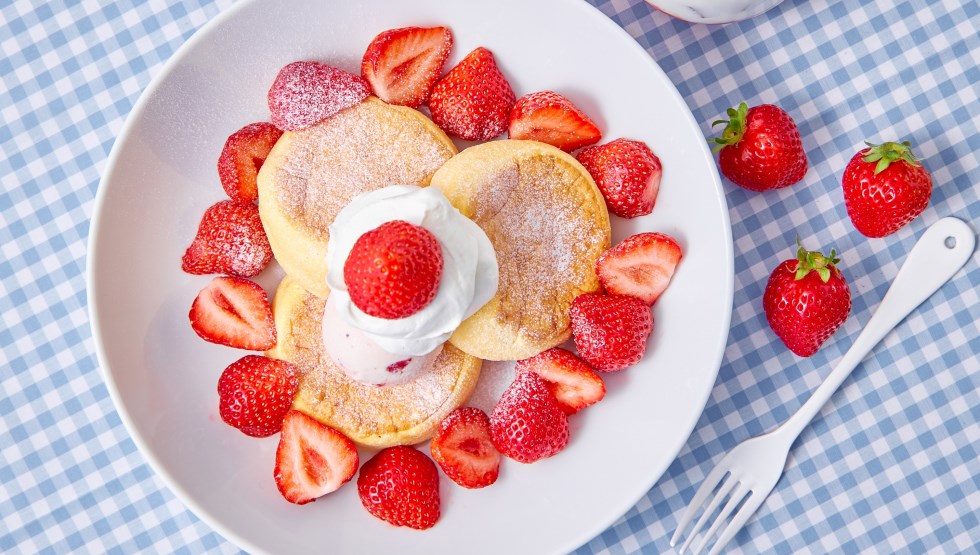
(402, 65)
(393, 271)
(610, 331)
(528, 424)
(473, 101)
(573, 382)
(255, 393)
(230, 240)
(641, 266)
(551, 118)
(400, 485)
(312, 459)
(306, 93)
(234, 311)
(627, 173)
(242, 157)
(463, 448)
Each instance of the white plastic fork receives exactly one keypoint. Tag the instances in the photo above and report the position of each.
(752, 469)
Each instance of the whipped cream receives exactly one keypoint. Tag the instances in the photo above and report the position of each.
(469, 274)
(362, 359)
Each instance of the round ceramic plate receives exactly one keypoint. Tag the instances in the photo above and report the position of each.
(161, 176)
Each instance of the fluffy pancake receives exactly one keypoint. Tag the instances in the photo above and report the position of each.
(312, 173)
(548, 223)
(370, 415)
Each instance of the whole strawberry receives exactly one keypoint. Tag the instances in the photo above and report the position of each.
(806, 300)
(760, 148)
(528, 423)
(255, 393)
(885, 187)
(230, 240)
(627, 173)
(400, 485)
(393, 271)
(473, 101)
(610, 331)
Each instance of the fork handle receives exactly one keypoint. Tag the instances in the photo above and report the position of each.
(930, 264)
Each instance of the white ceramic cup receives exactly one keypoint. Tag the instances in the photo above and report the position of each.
(713, 11)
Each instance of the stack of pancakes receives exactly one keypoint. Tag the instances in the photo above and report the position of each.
(539, 207)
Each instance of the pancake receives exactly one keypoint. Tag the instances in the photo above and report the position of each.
(312, 173)
(370, 415)
(548, 223)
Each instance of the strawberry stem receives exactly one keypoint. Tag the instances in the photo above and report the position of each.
(886, 153)
(814, 261)
(734, 128)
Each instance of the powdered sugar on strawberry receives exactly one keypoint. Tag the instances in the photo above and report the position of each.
(306, 93)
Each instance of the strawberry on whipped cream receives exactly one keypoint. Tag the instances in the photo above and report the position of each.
(469, 279)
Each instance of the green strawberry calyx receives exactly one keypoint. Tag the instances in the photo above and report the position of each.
(886, 153)
(814, 261)
(734, 128)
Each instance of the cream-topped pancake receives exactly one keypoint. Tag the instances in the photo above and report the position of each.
(311, 174)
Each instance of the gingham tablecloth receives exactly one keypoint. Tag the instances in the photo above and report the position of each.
(891, 465)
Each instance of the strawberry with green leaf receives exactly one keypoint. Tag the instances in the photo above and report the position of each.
(885, 188)
(806, 300)
(760, 148)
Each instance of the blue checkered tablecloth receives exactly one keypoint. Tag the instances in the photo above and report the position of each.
(891, 465)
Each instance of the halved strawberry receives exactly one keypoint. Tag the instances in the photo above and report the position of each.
(473, 101)
(306, 93)
(255, 393)
(573, 382)
(551, 118)
(641, 266)
(312, 459)
(463, 448)
(230, 240)
(234, 311)
(242, 157)
(402, 65)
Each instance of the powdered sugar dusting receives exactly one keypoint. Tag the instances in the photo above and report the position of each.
(358, 150)
(495, 378)
(538, 217)
(362, 409)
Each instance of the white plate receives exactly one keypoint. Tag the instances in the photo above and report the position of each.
(161, 176)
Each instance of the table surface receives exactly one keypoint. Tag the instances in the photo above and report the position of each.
(890, 465)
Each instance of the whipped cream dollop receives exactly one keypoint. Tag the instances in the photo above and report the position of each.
(364, 360)
(469, 274)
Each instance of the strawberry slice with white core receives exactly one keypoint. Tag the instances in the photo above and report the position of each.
(551, 118)
(242, 157)
(640, 266)
(234, 311)
(463, 448)
(402, 65)
(312, 459)
(574, 383)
